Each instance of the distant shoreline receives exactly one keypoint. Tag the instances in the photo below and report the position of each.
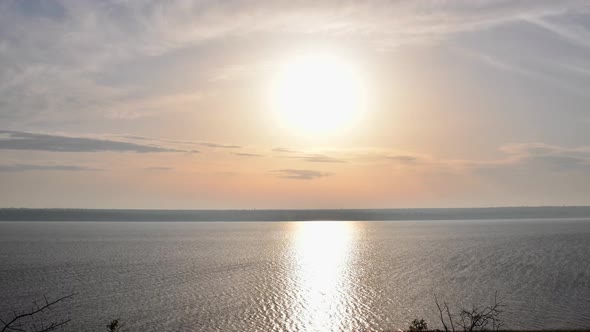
(489, 213)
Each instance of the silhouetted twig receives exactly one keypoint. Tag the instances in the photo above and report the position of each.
(115, 326)
(15, 324)
(472, 320)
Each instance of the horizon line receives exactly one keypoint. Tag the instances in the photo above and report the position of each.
(300, 209)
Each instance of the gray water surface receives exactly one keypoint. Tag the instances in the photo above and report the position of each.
(290, 276)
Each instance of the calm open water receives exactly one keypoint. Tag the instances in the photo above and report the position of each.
(291, 276)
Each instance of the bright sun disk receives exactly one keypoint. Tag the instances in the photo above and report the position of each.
(317, 94)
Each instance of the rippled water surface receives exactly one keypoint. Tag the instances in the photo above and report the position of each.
(290, 276)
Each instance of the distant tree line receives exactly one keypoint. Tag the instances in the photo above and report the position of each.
(16, 214)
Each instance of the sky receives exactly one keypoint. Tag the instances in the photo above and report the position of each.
(168, 104)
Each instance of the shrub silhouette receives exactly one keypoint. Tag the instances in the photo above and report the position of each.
(418, 325)
(115, 326)
(32, 320)
(474, 319)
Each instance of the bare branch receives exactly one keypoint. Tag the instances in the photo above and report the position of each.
(440, 312)
(475, 319)
(446, 306)
(53, 326)
(13, 324)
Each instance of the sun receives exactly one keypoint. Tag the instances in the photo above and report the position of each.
(317, 94)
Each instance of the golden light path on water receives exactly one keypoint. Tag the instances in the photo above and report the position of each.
(322, 255)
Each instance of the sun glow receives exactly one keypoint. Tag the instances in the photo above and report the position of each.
(317, 94)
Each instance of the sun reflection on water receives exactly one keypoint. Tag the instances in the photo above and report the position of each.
(322, 253)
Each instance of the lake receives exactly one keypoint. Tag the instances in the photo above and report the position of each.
(297, 276)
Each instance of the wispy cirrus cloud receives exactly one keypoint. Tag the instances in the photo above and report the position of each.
(299, 174)
(20, 140)
(219, 145)
(64, 60)
(537, 148)
(245, 154)
(574, 33)
(406, 159)
(284, 150)
(155, 140)
(314, 158)
(319, 158)
(517, 156)
(33, 167)
(159, 168)
(540, 73)
(549, 156)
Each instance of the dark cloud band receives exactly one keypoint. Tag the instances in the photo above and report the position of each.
(299, 174)
(18, 140)
(30, 167)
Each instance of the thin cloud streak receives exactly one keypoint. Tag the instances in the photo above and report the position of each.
(218, 145)
(244, 154)
(321, 159)
(406, 159)
(32, 167)
(574, 36)
(299, 174)
(159, 168)
(316, 158)
(19, 140)
(284, 150)
(183, 142)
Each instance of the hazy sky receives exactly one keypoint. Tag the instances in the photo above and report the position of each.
(165, 104)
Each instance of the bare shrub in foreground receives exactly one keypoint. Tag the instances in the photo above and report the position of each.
(476, 318)
(115, 326)
(34, 324)
(418, 325)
